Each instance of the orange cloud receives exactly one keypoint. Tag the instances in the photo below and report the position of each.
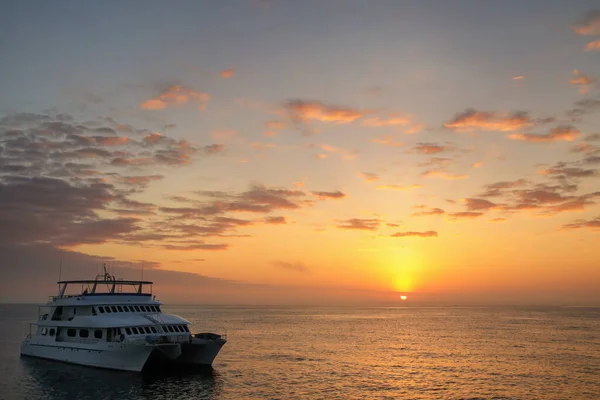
(465, 215)
(593, 224)
(395, 119)
(387, 141)
(227, 73)
(561, 133)
(275, 220)
(304, 111)
(360, 224)
(582, 81)
(438, 173)
(470, 120)
(329, 195)
(415, 129)
(429, 148)
(518, 78)
(425, 234)
(478, 164)
(425, 211)
(589, 24)
(273, 127)
(369, 177)
(479, 204)
(345, 153)
(175, 95)
(399, 187)
(595, 45)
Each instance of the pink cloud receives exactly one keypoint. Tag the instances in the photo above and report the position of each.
(175, 95)
(227, 73)
(426, 234)
(561, 133)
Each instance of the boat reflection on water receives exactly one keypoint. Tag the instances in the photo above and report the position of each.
(60, 381)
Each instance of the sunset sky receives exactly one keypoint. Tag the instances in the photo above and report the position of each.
(283, 152)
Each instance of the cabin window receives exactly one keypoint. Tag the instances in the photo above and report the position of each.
(128, 331)
(113, 308)
(154, 308)
(135, 331)
(177, 328)
(158, 308)
(149, 309)
(137, 308)
(98, 333)
(101, 309)
(71, 332)
(107, 308)
(120, 308)
(84, 333)
(52, 331)
(147, 329)
(182, 328)
(171, 329)
(44, 331)
(185, 327)
(126, 308)
(153, 329)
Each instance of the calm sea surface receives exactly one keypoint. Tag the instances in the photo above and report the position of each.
(344, 353)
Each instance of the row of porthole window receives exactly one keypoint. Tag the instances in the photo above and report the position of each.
(114, 309)
(151, 329)
(71, 332)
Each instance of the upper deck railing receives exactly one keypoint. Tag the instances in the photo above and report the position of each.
(103, 285)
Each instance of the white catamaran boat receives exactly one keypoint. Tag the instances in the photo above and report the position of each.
(115, 324)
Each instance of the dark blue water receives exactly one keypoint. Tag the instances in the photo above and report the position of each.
(344, 353)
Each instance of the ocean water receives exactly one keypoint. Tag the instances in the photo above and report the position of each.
(343, 353)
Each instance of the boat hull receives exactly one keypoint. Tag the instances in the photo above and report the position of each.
(122, 356)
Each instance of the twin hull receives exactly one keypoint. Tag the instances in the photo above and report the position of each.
(127, 356)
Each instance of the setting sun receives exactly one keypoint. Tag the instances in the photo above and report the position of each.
(403, 297)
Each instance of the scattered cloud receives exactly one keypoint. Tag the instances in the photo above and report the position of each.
(583, 82)
(589, 24)
(361, 224)
(369, 177)
(430, 148)
(518, 78)
(593, 224)
(291, 266)
(561, 133)
(465, 215)
(304, 111)
(273, 127)
(175, 95)
(329, 195)
(595, 45)
(426, 234)
(427, 211)
(394, 119)
(399, 187)
(227, 73)
(441, 174)
(387, 141)
(474, 204)
(470, 120)
(275, 220)
(478, 164)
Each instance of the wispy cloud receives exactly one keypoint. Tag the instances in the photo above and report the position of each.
(593, 224)
(227, 73)
(275, 220)
(465, 215)
(470, 120)
(175, 95)
(426, 234)
(387, 141)
(427, 211)
(583, 82)
(430, 148)
(399, 187)
(589, 24)
(291, 266)
(441, 174)
(561, 133)
(329, 195)
(394, 119)
(595, 45)
(360, 224)
(369, 177)
(304, 111)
